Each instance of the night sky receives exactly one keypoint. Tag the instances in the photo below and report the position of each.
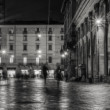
(33, 10)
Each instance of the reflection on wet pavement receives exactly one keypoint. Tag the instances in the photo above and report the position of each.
(34, 95)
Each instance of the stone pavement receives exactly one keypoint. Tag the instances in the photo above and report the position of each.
(34, 95)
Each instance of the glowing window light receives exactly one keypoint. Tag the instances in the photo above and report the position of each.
(66, 53)
(25, 60)
(11, 59)
(39, 35)
(39, 51)
(37, 60)
(39, 56)
(3, 51)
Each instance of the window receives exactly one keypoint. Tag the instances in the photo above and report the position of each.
(37, 38)
(25, 60)
(11, 31)
(25, 34)
(11, 47)
(50, 47)
(37, 47)
(62, 37)
(50, 59)
(24, 47)
(62, 30)
(38, 30)
(50, 37)
(50, 31)
(11, 34)
(37, 60)
(25, 37)
(25, 31)
(11, 59)
(11, 37)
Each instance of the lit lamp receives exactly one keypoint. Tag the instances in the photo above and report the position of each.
(3, 52)
(66, 53)
(63, 55)
(39, 51)
(11, 58)
(39, 56)
(98, 21)
(39, 35)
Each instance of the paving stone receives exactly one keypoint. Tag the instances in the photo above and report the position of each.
(33, 94)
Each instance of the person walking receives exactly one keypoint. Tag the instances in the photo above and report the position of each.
(45, 70)
(66, 75)
(5, 75)
(58, 75)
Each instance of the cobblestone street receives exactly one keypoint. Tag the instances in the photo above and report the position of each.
(34, 95)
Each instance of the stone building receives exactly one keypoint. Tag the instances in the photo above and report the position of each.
(30, 45)
(91, 25)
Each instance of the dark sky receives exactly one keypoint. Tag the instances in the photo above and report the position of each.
(30, 10)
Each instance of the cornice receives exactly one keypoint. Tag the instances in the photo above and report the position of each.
(85, 7)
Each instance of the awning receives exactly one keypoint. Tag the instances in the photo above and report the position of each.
(11, 68)
(1, 67)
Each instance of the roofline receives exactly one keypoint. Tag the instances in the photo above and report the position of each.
(31, 25)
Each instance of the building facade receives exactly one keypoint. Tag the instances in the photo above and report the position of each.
(30, 45)
(68, 9)
(92, 29)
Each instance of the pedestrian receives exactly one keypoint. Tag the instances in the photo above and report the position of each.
(66, 75)
(5, 76)
(45, 70)
(58, 75)
(0, 76)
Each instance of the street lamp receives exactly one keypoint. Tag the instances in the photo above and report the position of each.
(39, 35)
(98, 21)
(66, 53)
(39, 56)
(63, 55)
(39, 51)
(3, 52)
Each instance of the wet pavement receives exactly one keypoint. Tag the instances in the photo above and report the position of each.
(34, 95)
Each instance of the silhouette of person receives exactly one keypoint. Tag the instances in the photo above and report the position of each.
(5, 76)
(44, 70)
(58, 75)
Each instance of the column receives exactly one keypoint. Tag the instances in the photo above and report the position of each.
(90, 24)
